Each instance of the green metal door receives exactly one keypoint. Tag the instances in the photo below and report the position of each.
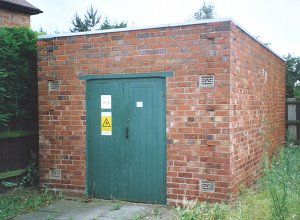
(126, 147)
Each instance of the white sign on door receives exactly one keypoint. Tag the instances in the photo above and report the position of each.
(139, 104)
(105, 101)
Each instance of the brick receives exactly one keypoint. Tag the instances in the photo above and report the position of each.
(212, 132)
(222, 28)
(117, 37)
(153, 51)
(143, 35)
(13, 18)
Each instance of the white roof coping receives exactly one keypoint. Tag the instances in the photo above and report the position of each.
(116, 30)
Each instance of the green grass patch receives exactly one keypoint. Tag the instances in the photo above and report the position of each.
(16, 134)
(276, 196)
(13, 173)
(22, 200)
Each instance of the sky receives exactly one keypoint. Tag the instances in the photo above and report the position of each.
(276, 22)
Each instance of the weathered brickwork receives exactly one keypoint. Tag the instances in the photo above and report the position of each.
(257, 106)
(10, 18)
(213, 133)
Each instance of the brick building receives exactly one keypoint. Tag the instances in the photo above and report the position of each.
(158, 113)
(16, 13)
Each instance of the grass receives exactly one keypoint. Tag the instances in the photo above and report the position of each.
(13, 173)
(23, 200)
(193, 210)
(148, 214)
(117, 204)
(276, 195)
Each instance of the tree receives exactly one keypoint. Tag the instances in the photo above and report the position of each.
(41, 31)
(107, 25)
(292, 73)
(207, 11)
(297, 89)
(91, 22)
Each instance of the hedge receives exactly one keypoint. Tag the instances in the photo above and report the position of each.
(18, 79)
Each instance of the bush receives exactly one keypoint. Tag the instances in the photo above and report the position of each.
(193, 210)
(32, 176)
(18, 78)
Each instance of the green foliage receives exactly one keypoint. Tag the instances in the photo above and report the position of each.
(49, 217)
(18, 84)
(79, 25)
(289, 140)
(107, 25)
(41, 31)
(292, 74)
(276, 179)
(21, 200)
(296, 89)
(117, 204)
(91, 22)
(193, 210)
(153, 213)
(92, 18)
(207, 11)
(251, 205)
(276, 195)
(32, 175)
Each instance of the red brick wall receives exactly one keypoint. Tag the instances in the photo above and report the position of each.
(257, 106)
(200, 137)
(10, 18)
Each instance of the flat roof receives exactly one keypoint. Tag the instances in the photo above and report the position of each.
(207, 21)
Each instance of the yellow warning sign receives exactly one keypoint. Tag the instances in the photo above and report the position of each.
(106, 123)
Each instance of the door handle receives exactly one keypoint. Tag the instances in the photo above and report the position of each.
(126, 132)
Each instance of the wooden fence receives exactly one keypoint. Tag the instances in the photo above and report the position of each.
(15, 157)
(15, 152)
(293, 118)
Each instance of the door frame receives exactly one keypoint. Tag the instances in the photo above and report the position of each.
(92, 78)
